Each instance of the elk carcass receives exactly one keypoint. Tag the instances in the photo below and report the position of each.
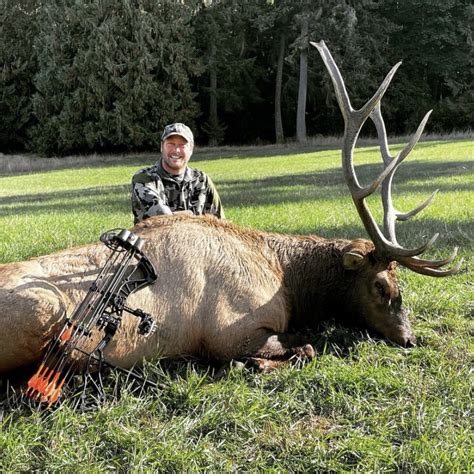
(226, 292)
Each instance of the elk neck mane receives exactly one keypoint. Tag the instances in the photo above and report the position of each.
(317, 283)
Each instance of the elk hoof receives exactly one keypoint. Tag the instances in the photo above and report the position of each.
(259, 364)
(237, 365)
(309, 351)
(306, 352)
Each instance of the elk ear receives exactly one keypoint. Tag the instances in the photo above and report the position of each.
(352, 260)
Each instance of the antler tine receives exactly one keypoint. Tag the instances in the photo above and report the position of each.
(391, 214)
(407, 215)
(385, 242)
(341, 91)
(418, 262)
(354, 120)
(416, 137)
(431, 270)
(368, 108)
(377, 118)
(403, 216)
(358, 117)
(379, 123)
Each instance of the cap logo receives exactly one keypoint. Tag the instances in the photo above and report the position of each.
(178, 129)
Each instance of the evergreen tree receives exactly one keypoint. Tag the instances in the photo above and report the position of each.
(434, 40)
(275, 23)
(112, 74)
(357, 33)
(227, 40)
(304, 18)
(18, 67)
(105, 75)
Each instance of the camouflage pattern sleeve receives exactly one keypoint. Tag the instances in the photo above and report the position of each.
(148, 196)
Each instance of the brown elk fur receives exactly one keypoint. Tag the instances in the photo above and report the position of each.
(222, 292)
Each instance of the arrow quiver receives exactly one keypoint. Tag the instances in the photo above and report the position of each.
(96, 319)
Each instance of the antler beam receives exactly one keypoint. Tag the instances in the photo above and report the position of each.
(385, 242)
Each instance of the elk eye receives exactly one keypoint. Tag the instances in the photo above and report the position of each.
(380, 289)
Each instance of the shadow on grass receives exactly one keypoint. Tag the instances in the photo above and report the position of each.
(413, 234)
(275, 190)
(327, 184)
(107, 197)
(330, 338)
(416, 170)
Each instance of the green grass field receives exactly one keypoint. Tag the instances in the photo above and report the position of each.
(361, 405)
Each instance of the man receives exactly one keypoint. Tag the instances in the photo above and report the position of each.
(171, 186)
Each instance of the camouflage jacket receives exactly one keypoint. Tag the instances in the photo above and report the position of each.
(154, 191)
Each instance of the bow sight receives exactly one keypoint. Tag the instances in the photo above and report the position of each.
(96, 319)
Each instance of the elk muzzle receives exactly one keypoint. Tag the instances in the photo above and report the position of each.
(400, 333)
(384, 312)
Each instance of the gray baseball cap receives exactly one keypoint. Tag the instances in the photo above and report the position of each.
(178, 129)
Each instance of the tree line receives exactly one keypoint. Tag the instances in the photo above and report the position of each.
(107, 75)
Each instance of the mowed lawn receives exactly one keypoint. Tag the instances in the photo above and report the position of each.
(362, 404)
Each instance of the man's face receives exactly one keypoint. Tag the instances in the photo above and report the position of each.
(176, 152)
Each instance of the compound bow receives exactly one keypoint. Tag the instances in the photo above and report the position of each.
(100, 313)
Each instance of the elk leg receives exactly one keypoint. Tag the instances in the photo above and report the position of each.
(273, 350)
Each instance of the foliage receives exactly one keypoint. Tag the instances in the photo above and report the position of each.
(227, 40)
(18, 66)
(106, 76)
(435, 42)
(112, 74)
(362, 405)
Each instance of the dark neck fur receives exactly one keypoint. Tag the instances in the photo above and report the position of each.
(314, 277)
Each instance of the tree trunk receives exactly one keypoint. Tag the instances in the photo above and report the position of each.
(303, 84)
(279, 134)
(213, 119)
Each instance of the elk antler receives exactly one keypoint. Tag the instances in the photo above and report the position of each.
(385, 242)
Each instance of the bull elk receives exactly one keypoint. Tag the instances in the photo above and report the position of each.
(226, 292)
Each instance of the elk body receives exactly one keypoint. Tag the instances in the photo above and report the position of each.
(226, 292)
(222, 292)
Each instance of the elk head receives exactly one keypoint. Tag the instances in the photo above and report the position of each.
(376, 296)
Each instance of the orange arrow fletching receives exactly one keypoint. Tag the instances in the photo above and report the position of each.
(66, 335)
